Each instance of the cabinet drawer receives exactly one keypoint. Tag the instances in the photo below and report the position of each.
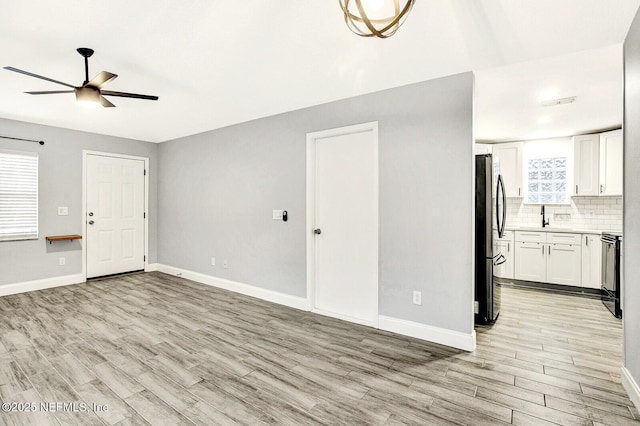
(531, 236)
(507, 236)
(563, 238)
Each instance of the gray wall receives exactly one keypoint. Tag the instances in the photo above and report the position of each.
(631, 242)
(60, 184)
(217, 189)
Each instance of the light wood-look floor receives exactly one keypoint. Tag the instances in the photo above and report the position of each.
(162, 350)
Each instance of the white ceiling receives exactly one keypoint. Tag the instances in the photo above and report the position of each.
(217, 63)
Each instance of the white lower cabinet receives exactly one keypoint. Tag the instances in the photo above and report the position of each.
(591, 261)
(505, 247)
(548, 257)
(563, 264)
(530, 261)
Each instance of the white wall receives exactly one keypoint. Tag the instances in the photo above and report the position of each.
(631, 307)
(217, 190)
(60, 184)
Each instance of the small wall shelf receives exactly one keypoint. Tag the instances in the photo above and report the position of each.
(53, 238)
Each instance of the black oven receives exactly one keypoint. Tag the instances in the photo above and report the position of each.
(611, 273)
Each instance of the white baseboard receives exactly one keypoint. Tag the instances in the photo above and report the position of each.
(24, 287)
(443, 336)
(347, 318)
(151, 267)
(246, 289)
(631, 386)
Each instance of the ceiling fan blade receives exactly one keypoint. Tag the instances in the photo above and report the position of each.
(50, 92)
(129, 95)
(105, 103)
(101, 79)
(30, 74)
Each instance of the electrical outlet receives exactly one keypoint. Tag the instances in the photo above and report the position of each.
(62, 261)
(63, 211)
(213, 261)
(277, 214)
(225, 265)
(417, 298)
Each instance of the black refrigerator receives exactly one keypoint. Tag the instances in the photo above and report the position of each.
(490, 201)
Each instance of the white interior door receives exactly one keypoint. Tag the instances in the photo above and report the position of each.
(115, 215)
(346, 213)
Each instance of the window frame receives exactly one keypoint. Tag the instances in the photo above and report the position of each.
(25, 235)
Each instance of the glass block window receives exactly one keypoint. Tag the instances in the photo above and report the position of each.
(547, 180)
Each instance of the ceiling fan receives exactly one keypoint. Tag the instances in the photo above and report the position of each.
(90, 92)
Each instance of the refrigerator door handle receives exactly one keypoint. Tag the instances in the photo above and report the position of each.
(500, 224)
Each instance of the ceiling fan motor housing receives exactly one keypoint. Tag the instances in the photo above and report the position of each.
(87, 94)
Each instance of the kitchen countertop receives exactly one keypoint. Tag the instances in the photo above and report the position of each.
(563, 230)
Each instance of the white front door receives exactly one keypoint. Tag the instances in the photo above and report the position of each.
(346, 215)
(115, 215)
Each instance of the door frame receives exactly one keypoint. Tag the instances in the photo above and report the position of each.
(85, 156)
(311, 213)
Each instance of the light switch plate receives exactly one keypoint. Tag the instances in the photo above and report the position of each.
(277, 214)
(63, 211)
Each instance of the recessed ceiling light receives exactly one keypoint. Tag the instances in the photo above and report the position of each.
(544, 119)
(558, 101)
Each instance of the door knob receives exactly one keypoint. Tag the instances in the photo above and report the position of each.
(317, 231)
(91, 222)
(90, 213)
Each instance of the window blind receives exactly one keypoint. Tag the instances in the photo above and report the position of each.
(18, 195)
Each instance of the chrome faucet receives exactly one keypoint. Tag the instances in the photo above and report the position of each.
(544, 222)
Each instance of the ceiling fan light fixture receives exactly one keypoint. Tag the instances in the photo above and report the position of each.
(88, 96)
(375, 18)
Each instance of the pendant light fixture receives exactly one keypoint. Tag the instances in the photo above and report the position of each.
(375, 18)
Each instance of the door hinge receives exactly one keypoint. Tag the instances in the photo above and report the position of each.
(476, 307)
(145, 215)
(145, 172)
(144, 258)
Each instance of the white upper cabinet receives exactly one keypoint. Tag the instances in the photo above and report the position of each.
(508, 158)
(611, 163)
(597, 165)
(586, 165)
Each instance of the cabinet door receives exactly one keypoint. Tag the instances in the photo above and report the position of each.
(509, 160)
(507, 267)
(564, 264)
(586, 165)
(611, 163)
(591, 261)
(530, 264)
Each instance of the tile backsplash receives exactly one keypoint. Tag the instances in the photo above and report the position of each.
(597, 213)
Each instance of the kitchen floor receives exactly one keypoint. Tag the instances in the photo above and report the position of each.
(153, 348)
